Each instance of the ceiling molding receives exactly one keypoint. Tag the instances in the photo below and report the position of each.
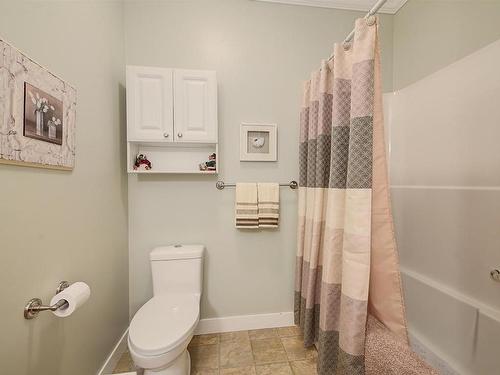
(390, 7)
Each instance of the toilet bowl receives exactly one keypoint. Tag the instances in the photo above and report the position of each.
(161, 330)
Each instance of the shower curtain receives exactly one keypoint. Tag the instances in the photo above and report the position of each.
(347, 262)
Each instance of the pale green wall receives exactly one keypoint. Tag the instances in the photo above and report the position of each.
(431, 34)
(67, 225)
(262, 53)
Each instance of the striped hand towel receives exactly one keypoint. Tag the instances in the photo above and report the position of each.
(247, 212)
(269, 205)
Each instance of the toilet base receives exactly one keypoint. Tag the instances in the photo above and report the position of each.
(180, 366)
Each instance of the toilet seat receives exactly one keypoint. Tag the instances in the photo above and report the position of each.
(163, 323)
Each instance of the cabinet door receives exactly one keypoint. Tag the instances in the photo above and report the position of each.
(195, 106)
(149, 104)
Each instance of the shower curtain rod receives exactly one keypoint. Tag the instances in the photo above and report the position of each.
(370, 13)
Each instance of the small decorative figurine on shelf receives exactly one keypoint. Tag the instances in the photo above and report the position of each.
(142, 163)
(210, 165)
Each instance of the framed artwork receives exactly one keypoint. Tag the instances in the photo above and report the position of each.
(42, 115)
(37, 114)
(258, 142)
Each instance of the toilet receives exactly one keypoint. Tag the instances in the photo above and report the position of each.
(161, 330)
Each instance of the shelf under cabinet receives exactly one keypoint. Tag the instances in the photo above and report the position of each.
(173, 172)
(171, 157)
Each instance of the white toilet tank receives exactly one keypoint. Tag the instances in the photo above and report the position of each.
(177, 269)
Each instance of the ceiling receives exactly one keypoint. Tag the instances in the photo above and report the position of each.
(391, 6)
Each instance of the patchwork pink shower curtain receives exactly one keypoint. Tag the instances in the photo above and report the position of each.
(347, 262)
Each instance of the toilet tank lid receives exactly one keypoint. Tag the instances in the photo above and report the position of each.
(173, 252)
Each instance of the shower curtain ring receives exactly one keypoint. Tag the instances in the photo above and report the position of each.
(370, 21)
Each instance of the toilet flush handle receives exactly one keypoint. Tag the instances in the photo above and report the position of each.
(495, 275)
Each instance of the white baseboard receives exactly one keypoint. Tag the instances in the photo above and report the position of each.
(431, 355)
(115, 355)
(244, 322)
(211, 325)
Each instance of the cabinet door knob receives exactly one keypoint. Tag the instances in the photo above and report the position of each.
(179, 135)
(165, 135)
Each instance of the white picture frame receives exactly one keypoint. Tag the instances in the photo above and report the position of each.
(258, 142)
(37, 114)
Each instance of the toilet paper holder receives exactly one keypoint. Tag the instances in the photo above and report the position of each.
(35, 305)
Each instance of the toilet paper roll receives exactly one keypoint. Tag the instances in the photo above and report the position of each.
(76, 295)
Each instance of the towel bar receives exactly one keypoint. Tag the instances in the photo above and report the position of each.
(221, 185)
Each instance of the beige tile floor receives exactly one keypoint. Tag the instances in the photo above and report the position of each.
(275, 351)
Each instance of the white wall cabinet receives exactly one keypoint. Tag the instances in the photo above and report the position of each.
(195, 106)
(171, 117)
(150, 110)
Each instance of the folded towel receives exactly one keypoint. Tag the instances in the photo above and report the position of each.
(269, 205)
(247, 212)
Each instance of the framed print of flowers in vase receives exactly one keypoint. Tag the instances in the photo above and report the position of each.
(42, 115)
(37, 114)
